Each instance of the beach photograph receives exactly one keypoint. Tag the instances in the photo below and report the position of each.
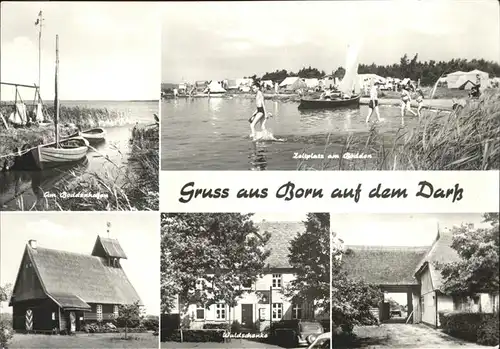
(415, 280)
(79, 112)
(348, 85)
(79, 281)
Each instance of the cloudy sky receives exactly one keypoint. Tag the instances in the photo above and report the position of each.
(137, 233)
(216, 40)
(397, 229)
(108, 51)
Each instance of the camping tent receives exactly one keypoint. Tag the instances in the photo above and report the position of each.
(214, 87)
(458, 78)
(232, 85)
(289, 81)
(311, 83)
(267, 83)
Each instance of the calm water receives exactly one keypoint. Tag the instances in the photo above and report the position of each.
(109, 158)
(213, 134)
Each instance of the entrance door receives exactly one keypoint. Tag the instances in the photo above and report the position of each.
(247, 315)
(29, 320)
(72, 321)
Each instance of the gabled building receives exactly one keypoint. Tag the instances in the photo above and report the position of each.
(264, 301)
(412, 270)
(433, 299)
(59, 291)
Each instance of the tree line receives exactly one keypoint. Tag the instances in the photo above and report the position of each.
(427, 71)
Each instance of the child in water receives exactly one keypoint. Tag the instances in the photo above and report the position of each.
(420, 101)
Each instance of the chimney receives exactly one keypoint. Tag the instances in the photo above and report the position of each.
(32, 244)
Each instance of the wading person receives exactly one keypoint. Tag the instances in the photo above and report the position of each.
(260, 115)
(373, 104)
(405, 103)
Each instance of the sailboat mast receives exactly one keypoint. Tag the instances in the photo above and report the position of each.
(39, 49)
(56, 96)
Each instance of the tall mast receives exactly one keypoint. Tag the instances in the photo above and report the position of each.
(56, 97)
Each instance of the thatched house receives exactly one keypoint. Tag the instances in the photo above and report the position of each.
(59, 291)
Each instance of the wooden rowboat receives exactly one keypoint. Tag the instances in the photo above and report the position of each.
(93, 136)
(70, 150)
(329, 103)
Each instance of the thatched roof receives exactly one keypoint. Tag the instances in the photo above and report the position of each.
(73, 279)
(441, 252)
(282, 233)
(383, 265)
(107, 247)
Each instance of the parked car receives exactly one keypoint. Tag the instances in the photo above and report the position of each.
(296, 332)
(396, 312)
(322, 341)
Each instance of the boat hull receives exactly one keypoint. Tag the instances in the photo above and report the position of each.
(48, 156)
(93, 136)
(329, 104)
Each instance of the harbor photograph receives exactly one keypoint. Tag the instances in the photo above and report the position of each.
(302, 90)
(79, 281)
(79, 111)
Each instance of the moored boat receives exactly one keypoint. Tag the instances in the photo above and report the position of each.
(329, 103)
(68, 151)
(93, 136)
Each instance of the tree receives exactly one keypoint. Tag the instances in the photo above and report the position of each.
(218, 252)
(478, 268)
(339, 73)
(6, 332)
(129, 314)
(310, 257)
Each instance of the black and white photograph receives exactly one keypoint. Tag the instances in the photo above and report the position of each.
(415, 280)
(79, 124)
(232, 280)
(79, 281)
(330, 85)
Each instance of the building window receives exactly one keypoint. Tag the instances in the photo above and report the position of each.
(53, 316)
(276, 280)
(115, 311)
(99, 312)
(200, 312)
(277, 311)
(220, 311)
(296, 311)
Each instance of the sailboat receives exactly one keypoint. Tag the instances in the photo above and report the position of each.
(59, 152)
(349, 86)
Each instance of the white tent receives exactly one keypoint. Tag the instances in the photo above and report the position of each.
(214, 87)
(289, 81)
(267, 83)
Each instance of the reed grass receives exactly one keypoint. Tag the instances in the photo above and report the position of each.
(467, 140)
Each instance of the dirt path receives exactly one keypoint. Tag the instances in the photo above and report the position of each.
(235, 343)
(404, 336)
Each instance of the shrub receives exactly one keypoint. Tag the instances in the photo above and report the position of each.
(132, 323)
(481, 328)
(6, 333)
(196, 336)
(216, 326)
(235, 327)
(488, 332)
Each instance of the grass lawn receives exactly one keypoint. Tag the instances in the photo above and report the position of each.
(402, 336)
(84, 340)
